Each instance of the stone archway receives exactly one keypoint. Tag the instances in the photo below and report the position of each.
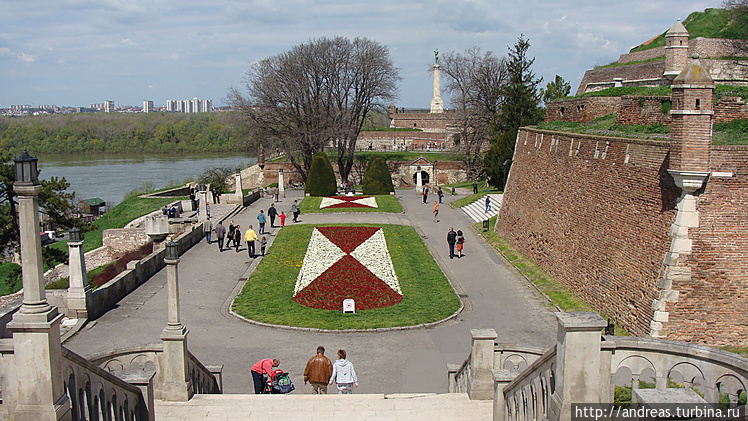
(424, 177)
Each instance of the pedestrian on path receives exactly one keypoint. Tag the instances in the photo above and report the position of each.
(272, 213)
(318, 372)
(208, 228)
(343, 374)
(440, 193)
(250, 237)
(261, 219)
(232, 230)
(425, 194)
(221, 234)
(451, 240)
(436, 211)
(237, 237)
(283, 219)
(263, 243)
(262, 368)
(475, 186)
(488, 204)
(460, 243)
(295, 210)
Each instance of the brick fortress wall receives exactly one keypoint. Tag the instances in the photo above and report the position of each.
(595, 213)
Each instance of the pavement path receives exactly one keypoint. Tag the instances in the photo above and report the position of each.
(411, 361)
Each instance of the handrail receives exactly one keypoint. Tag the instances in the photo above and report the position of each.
(77, 359)
(530, 370)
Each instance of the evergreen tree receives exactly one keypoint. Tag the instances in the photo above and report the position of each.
(377, 179)
(520, 108)
(558, 89)
(321, 179)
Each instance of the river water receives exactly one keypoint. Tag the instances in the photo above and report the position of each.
(110, 177)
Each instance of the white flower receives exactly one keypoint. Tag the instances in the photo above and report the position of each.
(369, 201)
(320, 255)
(373, 254)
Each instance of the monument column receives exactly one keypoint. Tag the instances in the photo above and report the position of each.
(281, 184)
(177, 383)
(437, 104)
(79, 291)
(36, 325)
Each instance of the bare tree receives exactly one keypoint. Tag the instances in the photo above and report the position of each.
(316, 94)
(475, 82)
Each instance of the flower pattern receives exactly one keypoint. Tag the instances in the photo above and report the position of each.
(348, 202)
(347, 262)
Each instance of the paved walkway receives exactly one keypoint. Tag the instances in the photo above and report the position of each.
(412, 361)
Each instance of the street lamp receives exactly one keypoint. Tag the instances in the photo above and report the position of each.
(26, 171)
(172, 251)
(75, 235)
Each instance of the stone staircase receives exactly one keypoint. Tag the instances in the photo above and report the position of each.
(477, 210)
(293, 407)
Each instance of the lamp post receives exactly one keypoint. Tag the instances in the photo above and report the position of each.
(177, 383)
(36, 325)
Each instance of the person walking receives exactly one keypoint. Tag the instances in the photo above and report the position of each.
(237, 237)
(440, 193)
(460, 243)
(263, 368)
(425, 194)
(208, 228)
(295, 210)
(488, 204)
(272, 213)
(318, 372)
(221, 234)
(475, 186)
(283, 219)
(263, 243)
(261, 219)
(250, 237)
(232, 229)
(451, 240)
(436, 211)
(343, 374)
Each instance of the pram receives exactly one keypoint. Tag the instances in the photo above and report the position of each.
(279, 382)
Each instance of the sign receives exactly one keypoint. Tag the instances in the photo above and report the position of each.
(349, 306)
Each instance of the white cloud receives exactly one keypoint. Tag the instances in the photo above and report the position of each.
(26, 58)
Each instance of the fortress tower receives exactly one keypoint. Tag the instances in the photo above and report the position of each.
(437, 105)
(676, 50)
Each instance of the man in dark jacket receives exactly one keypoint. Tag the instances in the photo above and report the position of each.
(318, 371)
(221, 234)
(451, 240)
(272, 213)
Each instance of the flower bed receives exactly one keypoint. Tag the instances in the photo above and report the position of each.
(348, 202)
(347, 262)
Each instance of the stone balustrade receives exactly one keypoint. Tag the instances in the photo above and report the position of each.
(150, 359)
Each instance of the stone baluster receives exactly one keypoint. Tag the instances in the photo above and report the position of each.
(481, 364)
(79, 291)
(501, 378)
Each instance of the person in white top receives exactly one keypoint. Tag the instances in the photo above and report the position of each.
(343, 374)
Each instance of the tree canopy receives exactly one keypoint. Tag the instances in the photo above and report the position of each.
(558, 89)
(316, 94)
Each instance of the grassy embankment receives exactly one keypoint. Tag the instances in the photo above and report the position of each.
(427, 295)
(385, 203)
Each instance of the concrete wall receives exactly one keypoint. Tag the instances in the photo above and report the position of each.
(595, 213)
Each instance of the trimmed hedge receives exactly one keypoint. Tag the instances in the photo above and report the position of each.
(377, 178)
(321, 179)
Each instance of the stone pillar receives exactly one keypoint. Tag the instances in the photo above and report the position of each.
(419, 181)
(36, 325)
(202, 201)
(79, 291)
(501, 378)
(281, 184)
(238, 185)
(481, 364)
(177, 383)
(437, 104)
(452, 377)
(578, 361)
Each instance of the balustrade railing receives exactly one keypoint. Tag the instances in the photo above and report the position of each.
(528, 395)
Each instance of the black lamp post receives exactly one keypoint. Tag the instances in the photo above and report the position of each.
(75, 235)
(172, 251)
(26, 170)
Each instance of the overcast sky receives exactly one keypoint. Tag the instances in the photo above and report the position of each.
(78, 52)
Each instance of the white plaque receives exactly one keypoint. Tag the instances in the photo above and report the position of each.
(349, 306)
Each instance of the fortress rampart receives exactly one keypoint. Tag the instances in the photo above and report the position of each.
(596, 213)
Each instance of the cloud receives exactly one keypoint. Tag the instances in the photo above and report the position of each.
(26, 58)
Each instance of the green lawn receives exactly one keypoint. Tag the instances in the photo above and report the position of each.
(427, 295)
(387, 203)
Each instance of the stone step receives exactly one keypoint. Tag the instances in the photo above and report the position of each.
(414, 406)
(477, 210)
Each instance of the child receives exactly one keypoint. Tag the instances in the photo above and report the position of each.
(283, 219)
(263, 242)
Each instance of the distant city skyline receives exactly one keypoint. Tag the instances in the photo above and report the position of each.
(78, 52)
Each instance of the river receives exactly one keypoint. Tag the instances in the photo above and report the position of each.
(110, 177)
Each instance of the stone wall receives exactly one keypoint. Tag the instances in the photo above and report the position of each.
(124, 240)
(730, 108)
(649, 74)
(712, 47)
(420, 120)
(642, 55)
(581, 110)
(644, 110)
(595, 213)
(400, 140)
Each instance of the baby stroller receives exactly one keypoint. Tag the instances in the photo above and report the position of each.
(279, 382)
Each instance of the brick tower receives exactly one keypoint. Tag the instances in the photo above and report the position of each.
(676, 50)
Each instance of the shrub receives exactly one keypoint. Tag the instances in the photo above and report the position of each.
(10, 278)
(321, 178)
(377, 178)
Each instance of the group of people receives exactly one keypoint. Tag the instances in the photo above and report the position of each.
(439, 194)
(319, 373)
(233, 235)
(455, 240)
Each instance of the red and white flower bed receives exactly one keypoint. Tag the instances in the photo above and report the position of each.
(347, 262)
(348, 202)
